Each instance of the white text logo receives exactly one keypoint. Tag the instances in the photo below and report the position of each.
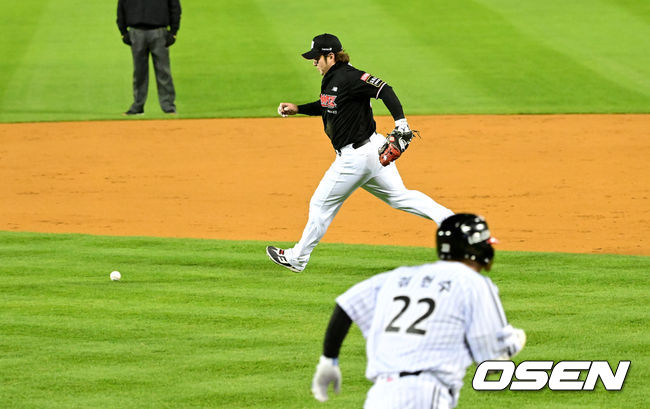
(564, 376)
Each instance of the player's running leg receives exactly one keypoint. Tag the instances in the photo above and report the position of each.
(389, 187)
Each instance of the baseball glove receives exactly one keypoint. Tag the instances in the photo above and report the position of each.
(396, 143)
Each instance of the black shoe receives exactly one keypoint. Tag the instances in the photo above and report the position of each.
(277, 256)
(171, 111)
(134, 112)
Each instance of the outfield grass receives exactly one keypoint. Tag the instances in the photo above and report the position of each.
(214, 324)
(63, 60)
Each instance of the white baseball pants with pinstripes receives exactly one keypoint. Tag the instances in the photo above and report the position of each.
(423, 391)
(354, 168)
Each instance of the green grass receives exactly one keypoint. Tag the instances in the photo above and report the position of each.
(65, 61)
(214, 324)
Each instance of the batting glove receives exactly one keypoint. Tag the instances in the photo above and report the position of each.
(512, 339)
(327, 371)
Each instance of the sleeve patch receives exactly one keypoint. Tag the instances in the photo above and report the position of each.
(374, 81)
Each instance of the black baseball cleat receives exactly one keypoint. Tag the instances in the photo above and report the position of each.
(277, 256)
(134, 112)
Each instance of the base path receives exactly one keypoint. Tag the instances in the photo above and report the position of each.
(567, 183)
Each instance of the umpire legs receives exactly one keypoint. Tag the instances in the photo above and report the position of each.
(140, 52)
(161, 65)
(143, 43)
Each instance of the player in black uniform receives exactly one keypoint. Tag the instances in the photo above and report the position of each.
(344, 105)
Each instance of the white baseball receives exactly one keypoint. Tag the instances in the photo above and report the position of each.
(115, 275)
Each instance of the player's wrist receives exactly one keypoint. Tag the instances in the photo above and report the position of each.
(401, 122)
(328, 361)
(402, 125)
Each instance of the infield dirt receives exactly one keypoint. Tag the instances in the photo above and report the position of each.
(566, 183)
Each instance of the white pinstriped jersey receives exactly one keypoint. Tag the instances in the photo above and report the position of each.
(435, 317)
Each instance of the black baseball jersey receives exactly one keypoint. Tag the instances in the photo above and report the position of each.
(345, 106)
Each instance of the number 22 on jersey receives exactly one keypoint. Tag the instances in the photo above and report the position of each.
(396, 325)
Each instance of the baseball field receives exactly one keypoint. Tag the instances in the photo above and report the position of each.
(535, 114)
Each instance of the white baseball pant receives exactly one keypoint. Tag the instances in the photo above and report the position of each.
(409, 392)
(354, 168)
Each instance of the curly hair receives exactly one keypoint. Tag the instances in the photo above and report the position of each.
(342, 56)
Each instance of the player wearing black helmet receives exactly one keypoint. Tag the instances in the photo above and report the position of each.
(466, 236)
(424, 325)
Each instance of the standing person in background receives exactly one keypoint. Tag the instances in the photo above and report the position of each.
(150, 27)
(424, 325)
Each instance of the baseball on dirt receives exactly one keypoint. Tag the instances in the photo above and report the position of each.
(115, 275)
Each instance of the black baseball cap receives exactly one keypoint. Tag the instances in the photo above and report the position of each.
(322, 45)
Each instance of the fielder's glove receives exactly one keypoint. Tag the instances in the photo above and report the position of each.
(396, 142)
(126, 39)
(327, 371)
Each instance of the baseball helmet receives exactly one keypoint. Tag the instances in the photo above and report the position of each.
(465, 236)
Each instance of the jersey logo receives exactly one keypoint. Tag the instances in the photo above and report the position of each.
(374, 81)
(327, 101)
(445, 285)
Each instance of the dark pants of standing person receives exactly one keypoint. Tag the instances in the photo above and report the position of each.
(145, 42)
